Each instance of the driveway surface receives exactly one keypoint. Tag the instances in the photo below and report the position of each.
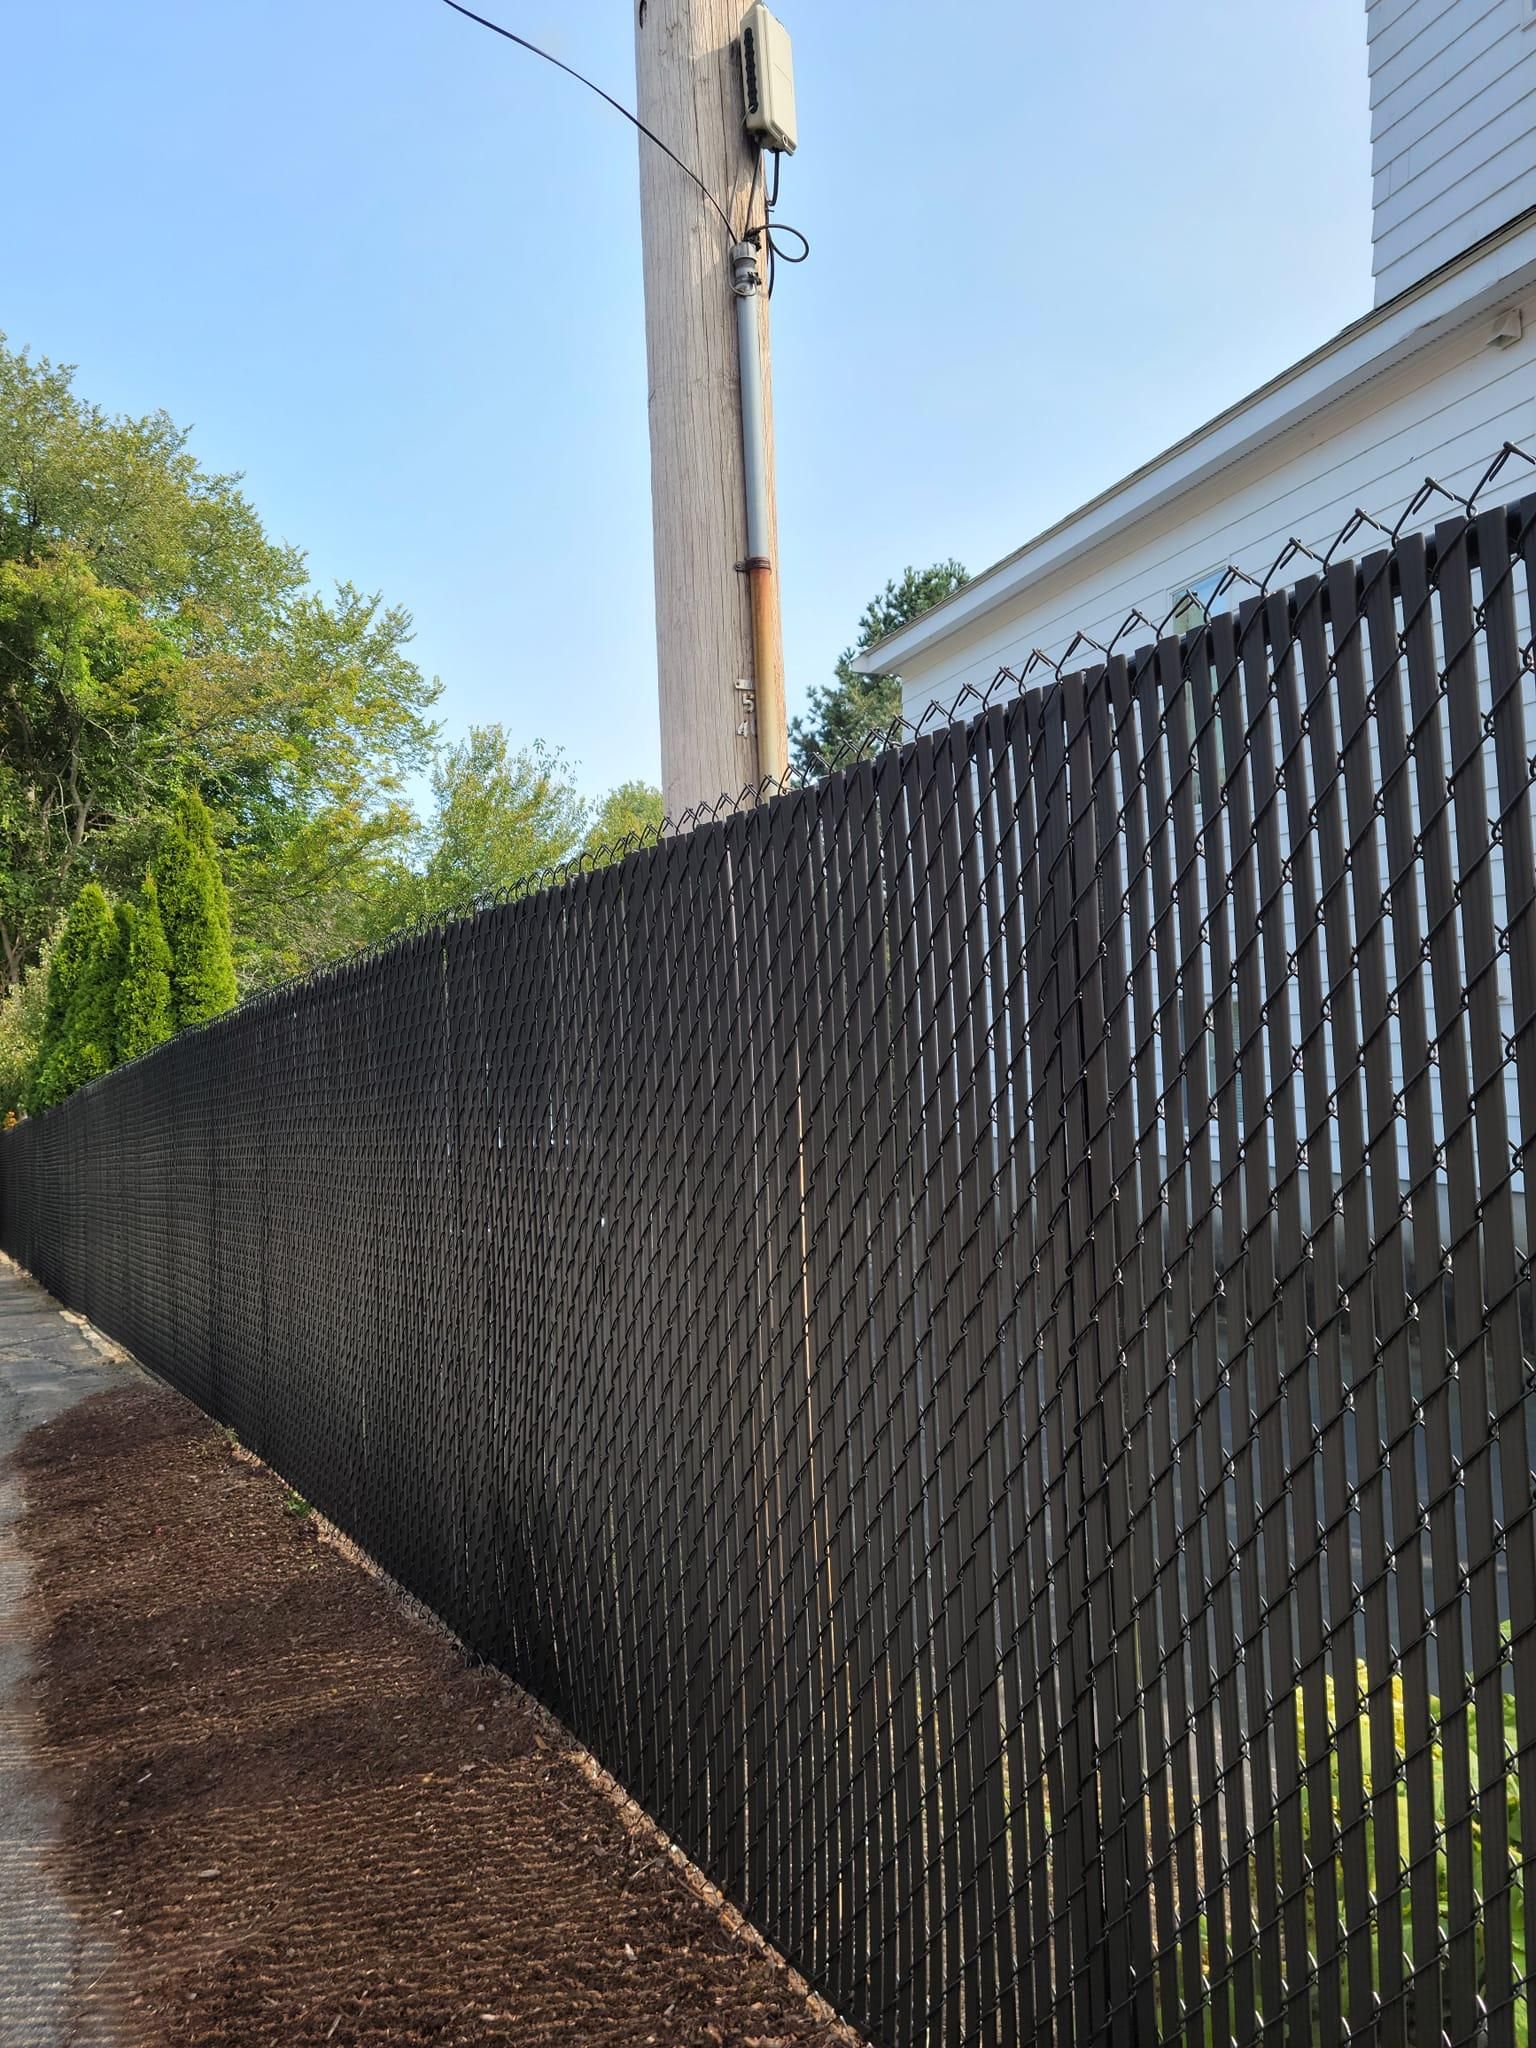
(56, 1978)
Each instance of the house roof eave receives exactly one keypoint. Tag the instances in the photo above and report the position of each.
(1462, 290)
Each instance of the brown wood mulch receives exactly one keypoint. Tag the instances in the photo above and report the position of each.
(297, 1811)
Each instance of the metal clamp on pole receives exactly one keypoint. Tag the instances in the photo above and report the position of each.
(767, 656)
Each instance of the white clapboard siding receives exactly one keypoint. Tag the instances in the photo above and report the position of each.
(1406, 129)
(1453, 129)
(1426, 36)
(1445, 411)
(1447, 160)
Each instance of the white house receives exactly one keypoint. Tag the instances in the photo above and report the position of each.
(1432, 382)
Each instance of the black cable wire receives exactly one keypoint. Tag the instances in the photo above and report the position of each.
(771, 228)
(757, 177)
(781, 227)
(570, 71)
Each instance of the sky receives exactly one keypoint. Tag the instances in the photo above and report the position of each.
(388, 267)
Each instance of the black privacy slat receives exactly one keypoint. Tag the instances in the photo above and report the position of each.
(968, 1328)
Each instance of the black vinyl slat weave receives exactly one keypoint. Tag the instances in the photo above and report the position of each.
(969, 1328)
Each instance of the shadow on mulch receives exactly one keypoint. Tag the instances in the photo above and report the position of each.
(303, 1816)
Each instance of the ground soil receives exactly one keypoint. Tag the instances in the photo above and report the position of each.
(303, 1817)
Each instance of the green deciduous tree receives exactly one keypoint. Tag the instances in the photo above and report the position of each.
(194, 911)
(153, 641)
(144, 1012)
(124, 570)
(634, 810)
(855, 715)
(87, 735)
(308, 751)
(153, 638)
(79, 1035)
(132, 501)
(500, 817)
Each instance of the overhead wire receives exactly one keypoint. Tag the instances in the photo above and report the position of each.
(771, 229)
(618, 106)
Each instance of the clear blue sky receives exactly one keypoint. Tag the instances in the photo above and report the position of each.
(388, 267)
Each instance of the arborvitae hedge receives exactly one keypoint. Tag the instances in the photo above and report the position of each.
(80, 1021)
(194, 912)
(120, 982)
(144, 994)
(63, 972)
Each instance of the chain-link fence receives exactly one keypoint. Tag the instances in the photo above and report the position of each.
(969, 1328)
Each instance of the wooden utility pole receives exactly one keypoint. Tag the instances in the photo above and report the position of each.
(712, 698)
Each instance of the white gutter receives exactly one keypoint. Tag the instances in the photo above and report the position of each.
(1461, 291)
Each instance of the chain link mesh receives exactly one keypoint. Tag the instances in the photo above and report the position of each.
(968, 1328)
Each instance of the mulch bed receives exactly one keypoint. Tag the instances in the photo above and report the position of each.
(300, 1813)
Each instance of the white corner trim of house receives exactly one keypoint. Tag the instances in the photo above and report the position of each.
(1471, 287)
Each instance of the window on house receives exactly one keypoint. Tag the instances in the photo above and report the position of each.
(1190, 602)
